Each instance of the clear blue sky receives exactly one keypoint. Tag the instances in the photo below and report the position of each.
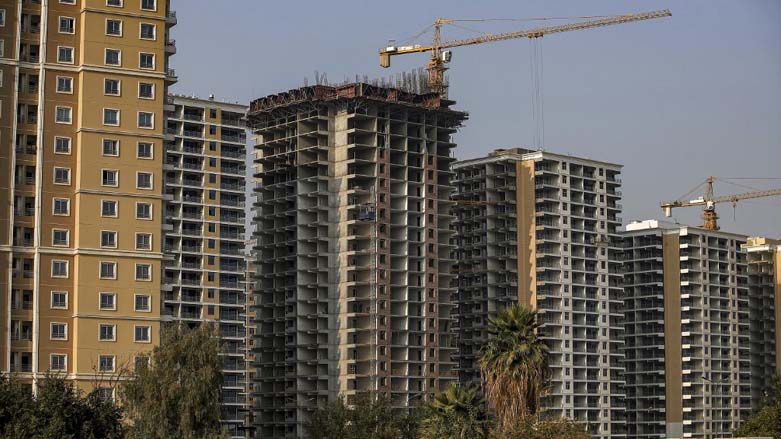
(674, 100)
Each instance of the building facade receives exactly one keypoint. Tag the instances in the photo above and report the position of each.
(541, 229)
(354, 255)
(764, 282)
(687, 342)
(204, 266)
(82, 92)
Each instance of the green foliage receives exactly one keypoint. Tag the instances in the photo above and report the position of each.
(528, 428)
(456, 413)
(178, 393)
(367, 418)
(513, 364)
(767, 421)
(58, 410)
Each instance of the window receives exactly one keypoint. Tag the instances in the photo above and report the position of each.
(146, 60)
(108, 208)
(144, 211)
(143, 241)
(141, 361)
(60, 238)
(110, 177)
(58, 362)
(106, 394)
(111, 87)
(143, 272)
(148, 31)
(61, 206)
(143, 334)
(115, 3)
(63, 114)
(146, 90)
(108, 332)
(144, 180)
(65, 54)
(110, 117)
(149, 5)
(106, 364)
(113, 57)
(144, 150)
(64, 84)
(108, 239)
(111, 147)
(59, 268)
(62, 145)
(146, 120)
(58, 331)
(108, 270)
(142, 303)
(108, 301)
(114, 28)
(68, 2)
(62, 176)
(59, 300)
(2, 17)
(67, 25)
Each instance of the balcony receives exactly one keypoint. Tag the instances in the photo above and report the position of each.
(26, 149)
(233, 138)
(197, 117)
(170, 46)
(170, 18)
(170, 75)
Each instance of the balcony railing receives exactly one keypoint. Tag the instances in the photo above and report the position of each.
(195, 117)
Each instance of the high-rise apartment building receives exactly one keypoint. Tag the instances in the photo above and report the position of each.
(354, 254)
(764, 282)
(540, 229)
(687, 344)
(82, 90)
(204, 265)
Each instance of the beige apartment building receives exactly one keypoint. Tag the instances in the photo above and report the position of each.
(763, 256)
(204, 265)
(541, 229)
(82, 92)
(688, 340)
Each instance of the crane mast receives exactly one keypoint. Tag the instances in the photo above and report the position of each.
(437, 64)
(709, 201)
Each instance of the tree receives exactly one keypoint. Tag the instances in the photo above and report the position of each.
(529, 428)
(456, 413)
(58, 410)
(177, 394)
(513, 365)
(367, 418)
(767, 421)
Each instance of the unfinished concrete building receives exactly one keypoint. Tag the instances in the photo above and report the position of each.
(203, 268)
(354, 255)
(687, 331)
(540, 229)
(764, 282)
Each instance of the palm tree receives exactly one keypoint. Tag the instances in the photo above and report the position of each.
(513, 365)
(456, 413)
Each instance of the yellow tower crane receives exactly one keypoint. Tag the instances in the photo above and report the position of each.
(440, 56)
(709, 217)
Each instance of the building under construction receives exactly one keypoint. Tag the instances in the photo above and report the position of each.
(354, 253)
(540, 229)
